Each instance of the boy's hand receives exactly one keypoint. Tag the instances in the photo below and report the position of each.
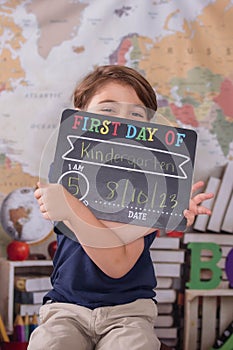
(53, 201)
(194, 207)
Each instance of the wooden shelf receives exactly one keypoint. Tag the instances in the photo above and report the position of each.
(207, 314)
(8, 270)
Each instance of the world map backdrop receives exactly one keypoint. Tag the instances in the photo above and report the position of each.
(184, 48)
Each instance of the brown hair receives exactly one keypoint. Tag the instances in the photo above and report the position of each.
(87, 88)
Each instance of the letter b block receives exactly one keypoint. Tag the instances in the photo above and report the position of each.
(197, 265)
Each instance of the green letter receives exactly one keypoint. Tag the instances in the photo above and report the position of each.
(196, 265)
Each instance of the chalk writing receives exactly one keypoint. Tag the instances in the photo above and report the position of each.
(125, 170)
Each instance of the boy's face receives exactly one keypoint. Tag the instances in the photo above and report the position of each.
(118, 100)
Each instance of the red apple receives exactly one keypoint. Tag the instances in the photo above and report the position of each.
(52, 247)
(17, 250)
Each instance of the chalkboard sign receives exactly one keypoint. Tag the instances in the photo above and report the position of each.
(124, 170)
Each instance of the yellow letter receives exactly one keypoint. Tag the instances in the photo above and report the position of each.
(105, 129)
(151, 133)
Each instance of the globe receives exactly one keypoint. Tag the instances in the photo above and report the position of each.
(21, 218)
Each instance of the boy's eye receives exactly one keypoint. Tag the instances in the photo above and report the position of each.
(107, 109)
(137, 115)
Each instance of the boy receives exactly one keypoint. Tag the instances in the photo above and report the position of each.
(103, 285)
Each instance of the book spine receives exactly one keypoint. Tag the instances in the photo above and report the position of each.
(202, 220)
(28, 297)
(165, 308)
(167, 270)
(165, 295)
(227, 225)
(164, 321)
(166, 333)
(169, 256)
(221, 202)
(23, 309)
(29, 284)
(166, 243)
(225, 239)
(164, 282)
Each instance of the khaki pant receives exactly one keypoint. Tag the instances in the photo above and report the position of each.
(72, 327)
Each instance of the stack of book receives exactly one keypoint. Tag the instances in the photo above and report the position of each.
(221, 205)
(168, 261)
(29, 291)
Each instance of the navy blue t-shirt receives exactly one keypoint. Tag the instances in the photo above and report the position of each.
(77, 279)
